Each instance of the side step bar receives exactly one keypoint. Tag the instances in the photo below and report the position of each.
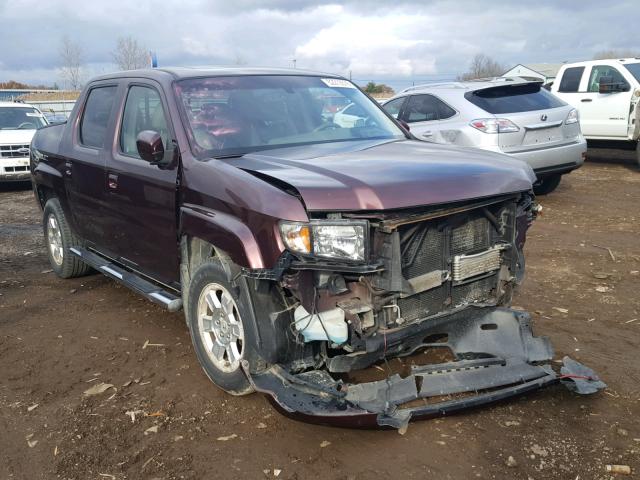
(135, 282)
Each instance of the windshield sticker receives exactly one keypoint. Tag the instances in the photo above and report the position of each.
(337, 83)
(33, 114)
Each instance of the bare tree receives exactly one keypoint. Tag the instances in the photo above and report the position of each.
(129, 54)
(72, 59)
(482, 66)
(603, 54)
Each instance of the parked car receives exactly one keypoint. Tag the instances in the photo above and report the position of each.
(302, 252)
(18, 123)
(350, 116)
(507, 115)
(53, 117)
(606, 93)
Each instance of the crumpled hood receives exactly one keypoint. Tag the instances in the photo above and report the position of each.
(377, 175)
(16, 137)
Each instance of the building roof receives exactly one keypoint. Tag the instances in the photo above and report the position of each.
(546, 69)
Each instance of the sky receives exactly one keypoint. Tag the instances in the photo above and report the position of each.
(396, 42)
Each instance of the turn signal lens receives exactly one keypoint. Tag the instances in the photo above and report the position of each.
(297, 237)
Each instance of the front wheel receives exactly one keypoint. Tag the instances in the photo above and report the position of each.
(546, 184)
(216, 313)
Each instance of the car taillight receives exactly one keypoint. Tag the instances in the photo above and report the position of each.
(573, 117)
(494, 125)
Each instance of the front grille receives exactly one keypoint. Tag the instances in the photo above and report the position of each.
(473, 292)
(14, 151)
(16, 169)
(422, 304)
(433, 245)
(471, 237)
(423, 252)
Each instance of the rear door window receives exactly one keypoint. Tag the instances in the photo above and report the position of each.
(599, 71)
(426, 108)
(570, 81)
(393, 107)
(514, 98)
(97, 112)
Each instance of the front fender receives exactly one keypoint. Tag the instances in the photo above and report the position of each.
(225, 232)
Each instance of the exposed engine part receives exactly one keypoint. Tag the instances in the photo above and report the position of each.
(467, 266)
(324, 326)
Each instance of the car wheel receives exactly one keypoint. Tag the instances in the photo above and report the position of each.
(546, 184)
(59, 238)
(638, 153)
(216, 313)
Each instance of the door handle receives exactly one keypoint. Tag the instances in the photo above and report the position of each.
(112, 181)
(67, 168)
(586, 100)
(428, 133)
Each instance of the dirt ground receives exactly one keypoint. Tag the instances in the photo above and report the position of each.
(59, 338)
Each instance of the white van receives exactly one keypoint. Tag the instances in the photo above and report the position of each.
(606, 93)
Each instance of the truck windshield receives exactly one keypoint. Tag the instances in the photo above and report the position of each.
(21, 118)
(234, 115)
(634, 69)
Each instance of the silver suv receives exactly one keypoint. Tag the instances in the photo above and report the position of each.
(507, 115)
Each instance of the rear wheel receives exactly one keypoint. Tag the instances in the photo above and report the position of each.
(546, 184)
(59, 238)
(216, 314)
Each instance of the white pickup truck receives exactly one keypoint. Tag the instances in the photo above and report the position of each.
(18, 124)
(606, 93)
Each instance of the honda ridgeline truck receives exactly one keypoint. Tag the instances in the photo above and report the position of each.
(303, 253)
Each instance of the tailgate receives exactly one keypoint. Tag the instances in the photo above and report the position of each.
(539, 115)
(541, 128)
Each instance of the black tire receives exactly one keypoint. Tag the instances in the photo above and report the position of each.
(638, 153)
(547, 184)
(65, 264)
(210, 275)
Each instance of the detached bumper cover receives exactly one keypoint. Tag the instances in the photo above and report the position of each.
(497, 357)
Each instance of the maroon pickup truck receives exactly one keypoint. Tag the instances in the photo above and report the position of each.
(356, 275)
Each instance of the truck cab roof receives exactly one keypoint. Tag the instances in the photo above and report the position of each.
(179, 73)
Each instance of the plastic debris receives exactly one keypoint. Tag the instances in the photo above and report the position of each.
(579, 378)
(98, 389)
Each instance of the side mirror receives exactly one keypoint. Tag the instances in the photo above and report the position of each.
(150, 147)
(607, 85)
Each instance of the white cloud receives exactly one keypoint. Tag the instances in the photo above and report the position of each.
(368, 45)
(375, 39)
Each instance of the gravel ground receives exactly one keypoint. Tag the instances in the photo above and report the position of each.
(163, 419)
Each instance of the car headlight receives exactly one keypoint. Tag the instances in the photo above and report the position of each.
(344, 240)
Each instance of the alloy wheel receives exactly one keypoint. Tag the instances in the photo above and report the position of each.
(220, 327)
(54, 238)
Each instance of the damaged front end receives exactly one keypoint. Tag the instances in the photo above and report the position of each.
(417, 326)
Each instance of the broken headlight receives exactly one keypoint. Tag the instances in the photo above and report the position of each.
(340, 240)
